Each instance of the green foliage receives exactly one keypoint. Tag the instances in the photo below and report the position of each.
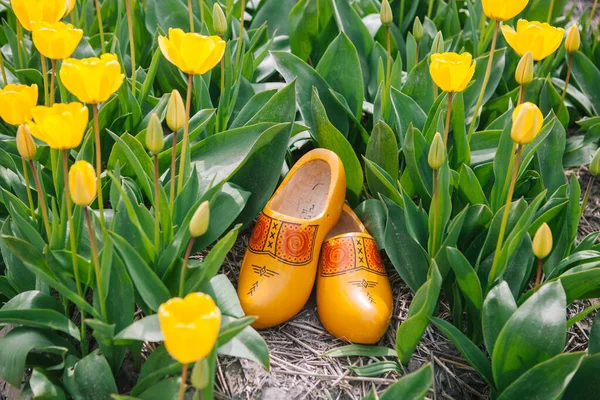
(304, 74)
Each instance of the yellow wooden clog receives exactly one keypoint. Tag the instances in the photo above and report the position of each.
(354, 298)
(280, 265)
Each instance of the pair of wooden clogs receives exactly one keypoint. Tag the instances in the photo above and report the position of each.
(306, 225)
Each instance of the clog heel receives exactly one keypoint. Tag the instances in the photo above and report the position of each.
(354, 297)
(280, 265)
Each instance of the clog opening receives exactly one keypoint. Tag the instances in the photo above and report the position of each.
(305, 194)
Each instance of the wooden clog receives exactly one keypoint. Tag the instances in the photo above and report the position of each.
(280, 265)
(354, 297)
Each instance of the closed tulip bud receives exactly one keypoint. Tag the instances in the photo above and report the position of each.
(385, 14)
(527, 122)
(573, 39)
(200, 374)
(417, 29)
(190, 326)
(438, 46)
(200, 220)
(154, 135)
(542, 242)
(175, 111)
(82, 183)
(595, 164)
(219, 20)
(25, 144)
(524, 73)
(437, 152)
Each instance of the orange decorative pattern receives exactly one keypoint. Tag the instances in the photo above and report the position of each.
(288, 242)
(350, 253)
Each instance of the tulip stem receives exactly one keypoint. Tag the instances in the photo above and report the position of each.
(186, 127)
(511, 190)
(188, 252)
(222, 75)
(567, 79)
(388, 72)
(430, 9)
(73, 246)
(448, 115)
(521, 94)
(510, 168)
(486, 79)
(101, 297)
(44, 78)
(191, 15)
(586, 196)
(173, 176)
(401, 13)
(29, 196)
(4, 80)
(156, 206)
(201, 4)
(593, 11)
(241, 37)
(435, 212)
(550, 11)
(184, 372)
(538, 275)
(19, 43)
(52, 81)
(41, 200)
(131, 45)
(99, 165)
(417, 55)
(435, 91)
(100, 25)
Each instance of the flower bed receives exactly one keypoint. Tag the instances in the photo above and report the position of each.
(131, 144)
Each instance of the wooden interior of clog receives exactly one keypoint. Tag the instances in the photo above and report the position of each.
(347, 223)
(304, 196)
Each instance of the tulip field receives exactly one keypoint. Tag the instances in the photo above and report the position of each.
(160, 236)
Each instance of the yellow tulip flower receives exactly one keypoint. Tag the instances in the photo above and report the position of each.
(503, 10)
(92, 80)
(56, 41)
(542, 242)
(190, 326)
(16, 102)
(527, 122)
(192, 53)
(541, 39)
(70, 6)
(452, 72)
(61, 126)
(82, 183)
(30, 11)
